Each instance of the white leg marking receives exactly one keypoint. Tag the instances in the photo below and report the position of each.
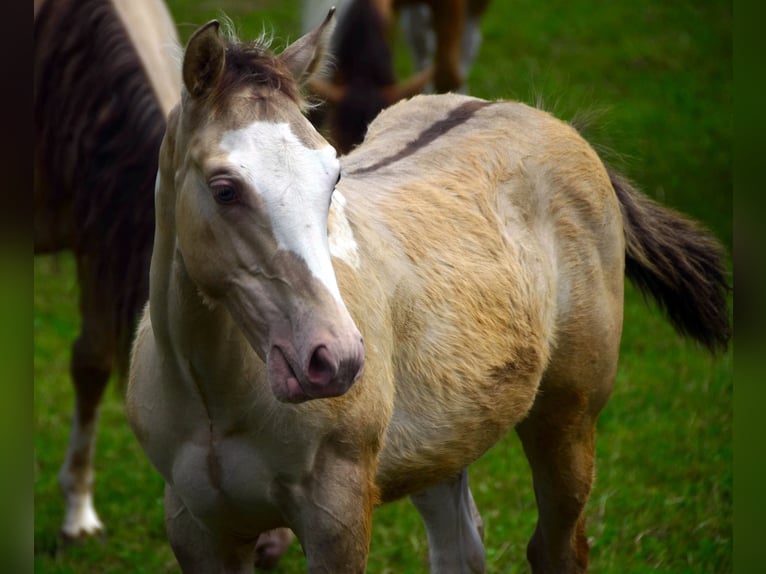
(81, 518)
(76, 481)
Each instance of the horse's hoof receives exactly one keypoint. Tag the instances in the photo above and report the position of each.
(70, 536)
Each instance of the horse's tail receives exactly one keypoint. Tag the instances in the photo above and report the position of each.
(677, 262)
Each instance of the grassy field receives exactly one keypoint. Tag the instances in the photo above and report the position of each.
(657, 78)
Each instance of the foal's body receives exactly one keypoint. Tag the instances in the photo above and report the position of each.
(458, 321)
(472, 278)
(478, 247)
(458, 292)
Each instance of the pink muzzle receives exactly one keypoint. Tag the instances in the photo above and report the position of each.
(328, 368)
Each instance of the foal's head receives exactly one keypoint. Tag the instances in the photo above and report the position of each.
(250, 183)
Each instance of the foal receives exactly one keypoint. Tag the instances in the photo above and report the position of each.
(326, 335)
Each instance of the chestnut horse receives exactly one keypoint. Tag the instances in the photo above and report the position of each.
(443, 36)
(324, 335)
(104, 81)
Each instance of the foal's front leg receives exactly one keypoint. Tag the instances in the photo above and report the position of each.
(195, 549)
(197, 552)
(454, 527)
(331, 514)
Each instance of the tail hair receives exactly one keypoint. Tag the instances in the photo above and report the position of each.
(679, 263)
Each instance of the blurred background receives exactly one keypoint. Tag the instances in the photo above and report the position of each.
(654, 79)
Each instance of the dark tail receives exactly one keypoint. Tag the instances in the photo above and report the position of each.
(679, 263)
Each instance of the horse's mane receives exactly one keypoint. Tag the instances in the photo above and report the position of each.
(98, 127)
(253, 64)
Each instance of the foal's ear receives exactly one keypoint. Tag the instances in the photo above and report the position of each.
(306, 55)
(203, 60)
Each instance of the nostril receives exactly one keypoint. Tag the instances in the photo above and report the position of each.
(322, 366)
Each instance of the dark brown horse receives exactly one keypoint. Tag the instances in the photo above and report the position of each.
(104, 81)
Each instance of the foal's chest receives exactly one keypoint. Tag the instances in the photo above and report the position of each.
(227, 483)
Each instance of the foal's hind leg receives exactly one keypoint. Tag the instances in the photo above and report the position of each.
(91, 365)
(558, 439)
(454, 527)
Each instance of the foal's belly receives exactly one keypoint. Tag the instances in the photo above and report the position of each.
(416, 456)
(432, 438)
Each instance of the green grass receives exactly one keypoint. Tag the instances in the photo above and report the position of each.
(659, 73)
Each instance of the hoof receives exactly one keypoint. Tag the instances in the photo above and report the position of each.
(74, 537)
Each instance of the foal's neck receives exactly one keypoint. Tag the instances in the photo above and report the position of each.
(200, 335)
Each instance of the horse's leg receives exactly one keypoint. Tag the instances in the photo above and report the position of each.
(558, 439)
(91, 364)
(469, 47)
(195, 550)
(331, 513)
(453, 525)
(448, 18)
(417, 31)
(471, 40)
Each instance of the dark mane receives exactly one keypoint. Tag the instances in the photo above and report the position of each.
(98, 127)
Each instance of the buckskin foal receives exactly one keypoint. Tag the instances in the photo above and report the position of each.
(323, 336)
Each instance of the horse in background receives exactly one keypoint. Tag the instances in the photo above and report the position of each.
(443, 38)
(105, 79)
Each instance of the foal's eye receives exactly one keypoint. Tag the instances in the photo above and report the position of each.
(225, 195)
(224, 192)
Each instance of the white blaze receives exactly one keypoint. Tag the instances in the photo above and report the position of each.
(295, 183)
